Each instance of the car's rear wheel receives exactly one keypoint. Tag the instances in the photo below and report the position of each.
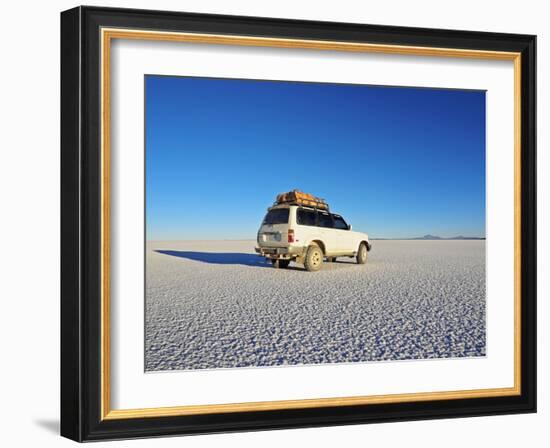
(280, 263)
(362, 254)
(314, 258)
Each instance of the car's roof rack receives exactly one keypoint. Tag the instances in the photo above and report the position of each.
(312, 207)
(296, 197)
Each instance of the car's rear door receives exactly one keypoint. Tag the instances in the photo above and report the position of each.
(306, 226)
(274, 229)
(326, 231)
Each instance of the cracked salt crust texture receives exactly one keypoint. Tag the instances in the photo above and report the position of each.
(216, 304)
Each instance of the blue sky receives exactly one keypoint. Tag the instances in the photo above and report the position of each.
(394, 161)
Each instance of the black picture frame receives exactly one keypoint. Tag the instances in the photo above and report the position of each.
(81, 224)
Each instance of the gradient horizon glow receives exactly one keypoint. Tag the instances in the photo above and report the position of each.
(396, 162)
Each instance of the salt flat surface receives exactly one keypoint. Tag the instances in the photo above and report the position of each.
(216, 304)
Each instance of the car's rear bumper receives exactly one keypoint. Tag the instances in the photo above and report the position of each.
(280, 252)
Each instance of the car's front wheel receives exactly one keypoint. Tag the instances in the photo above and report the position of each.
(314, 258)
(362, 254)
(280, 263)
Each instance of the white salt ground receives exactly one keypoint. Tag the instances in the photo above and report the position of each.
(216, 304)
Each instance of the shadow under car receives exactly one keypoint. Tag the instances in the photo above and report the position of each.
(219, 257)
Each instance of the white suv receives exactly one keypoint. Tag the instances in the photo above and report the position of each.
(308, 235)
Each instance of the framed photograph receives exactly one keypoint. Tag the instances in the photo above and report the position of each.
(273, 223)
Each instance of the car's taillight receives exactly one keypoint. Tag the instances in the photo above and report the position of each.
(290, 235)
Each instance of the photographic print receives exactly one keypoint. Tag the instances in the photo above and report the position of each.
(299, 223)
(272, 223)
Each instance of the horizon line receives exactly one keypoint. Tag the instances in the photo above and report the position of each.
(435, 238)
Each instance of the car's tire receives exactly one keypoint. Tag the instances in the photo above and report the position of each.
(280, 263)
(314, 258)
(362, 254)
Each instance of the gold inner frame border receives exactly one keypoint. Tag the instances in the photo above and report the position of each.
(107, 35)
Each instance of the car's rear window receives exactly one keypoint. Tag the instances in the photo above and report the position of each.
(277, 216)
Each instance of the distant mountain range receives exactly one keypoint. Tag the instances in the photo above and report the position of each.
(435, 237)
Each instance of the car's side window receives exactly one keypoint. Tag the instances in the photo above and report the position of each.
(339, 223)
(305, 217)
(325, 220)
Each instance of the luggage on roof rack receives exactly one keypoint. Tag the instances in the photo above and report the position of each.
(300, 198)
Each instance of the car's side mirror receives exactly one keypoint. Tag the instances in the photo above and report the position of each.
(349, 226)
